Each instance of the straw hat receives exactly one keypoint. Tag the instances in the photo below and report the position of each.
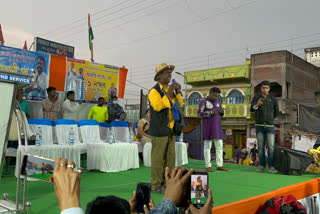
(161, 68)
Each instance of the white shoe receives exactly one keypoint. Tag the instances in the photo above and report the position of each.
(261, 169)
(273, 170)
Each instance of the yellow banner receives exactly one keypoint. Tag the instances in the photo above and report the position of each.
(90, 81)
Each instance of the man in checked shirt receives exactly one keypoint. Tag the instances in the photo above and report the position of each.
(50, 106)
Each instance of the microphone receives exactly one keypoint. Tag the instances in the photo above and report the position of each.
(174, 81)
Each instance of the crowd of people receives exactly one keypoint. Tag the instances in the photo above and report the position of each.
(67, 189)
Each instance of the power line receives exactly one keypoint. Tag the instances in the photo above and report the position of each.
(178, 27)
(234, 50)
(133, 94)
(78, 20)
(137, 85)
(131, 20)
(115, 19)
(203, 62)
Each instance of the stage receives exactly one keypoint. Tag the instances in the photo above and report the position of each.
(240, 183)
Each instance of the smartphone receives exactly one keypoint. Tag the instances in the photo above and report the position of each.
(38, 167)
(199, 188)
(143, 194)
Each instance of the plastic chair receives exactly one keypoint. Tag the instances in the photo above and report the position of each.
(104, 131)
(90, 132)
(46, 128)
(121, 131)
(63, 128)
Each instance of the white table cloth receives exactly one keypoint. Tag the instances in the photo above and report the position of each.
(181, 154)
(72, 153)
(112, 157)
(137, 143)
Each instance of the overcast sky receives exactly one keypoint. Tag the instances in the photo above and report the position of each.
(191, 34)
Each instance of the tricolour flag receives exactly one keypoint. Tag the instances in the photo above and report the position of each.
(91, 37)
(1, 36)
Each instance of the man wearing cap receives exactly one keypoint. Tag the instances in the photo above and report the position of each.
(162, 98)
(266, 109)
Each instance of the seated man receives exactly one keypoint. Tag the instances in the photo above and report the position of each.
(315, 166)
(245, 160)
(143, 127)
(13, 133)
(123, 116)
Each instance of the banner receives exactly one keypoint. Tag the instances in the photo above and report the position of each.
(90, 80)
(58, 67)
(20, 61)
(46, 46)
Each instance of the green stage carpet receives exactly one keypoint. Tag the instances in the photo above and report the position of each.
(239, 183)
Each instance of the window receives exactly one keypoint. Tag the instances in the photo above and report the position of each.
(235, 97)
(195, 99)
(220, 99)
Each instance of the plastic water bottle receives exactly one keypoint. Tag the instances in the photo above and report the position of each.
(38, 136)
(71, 136)
(111, 136)
(181, 137)
(131, 136)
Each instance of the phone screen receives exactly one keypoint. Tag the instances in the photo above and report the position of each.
(143, 194)
(199, 188)
(38, 167)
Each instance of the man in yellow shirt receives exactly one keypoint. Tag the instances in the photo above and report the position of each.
(162, 98)
(245, 160)
(99, 112)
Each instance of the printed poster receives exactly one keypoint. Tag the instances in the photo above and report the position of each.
(20, 61)
(90, 80)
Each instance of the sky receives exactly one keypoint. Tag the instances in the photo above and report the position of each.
(140, 34)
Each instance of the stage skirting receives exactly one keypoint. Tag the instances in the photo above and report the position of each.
(304, 192)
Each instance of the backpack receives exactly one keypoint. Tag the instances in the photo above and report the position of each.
(283, 205)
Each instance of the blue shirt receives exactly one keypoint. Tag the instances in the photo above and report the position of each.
(164, 207)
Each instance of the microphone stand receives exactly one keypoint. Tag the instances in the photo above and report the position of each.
(185, 94)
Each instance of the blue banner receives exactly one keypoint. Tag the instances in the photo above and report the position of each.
(15, 78)
(21, 61)
(47, 46)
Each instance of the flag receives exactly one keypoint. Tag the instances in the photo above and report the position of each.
(25, 45)
(1, 36)
(91, 37)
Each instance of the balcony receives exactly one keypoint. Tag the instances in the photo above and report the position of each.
(231, 111)
(219, 75)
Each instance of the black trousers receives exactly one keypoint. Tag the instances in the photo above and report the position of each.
(14, 144)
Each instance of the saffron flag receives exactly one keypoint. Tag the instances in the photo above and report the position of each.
(1, 36)
(91, 37)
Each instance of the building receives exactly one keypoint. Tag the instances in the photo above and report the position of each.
(312, 55)
(293, 81)
(234, 82)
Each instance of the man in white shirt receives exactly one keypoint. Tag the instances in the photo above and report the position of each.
(38, 87)
(70, 108)
(13, 131)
